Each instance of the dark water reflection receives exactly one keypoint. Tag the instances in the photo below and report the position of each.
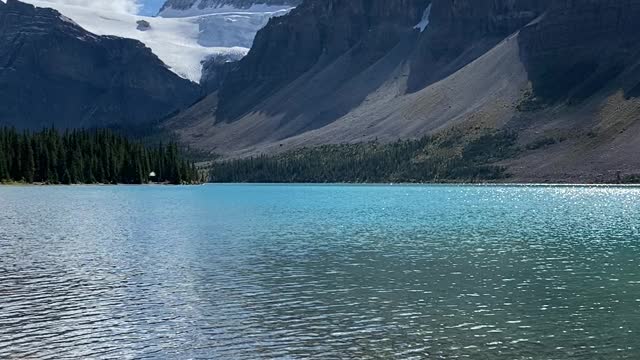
(326, 272)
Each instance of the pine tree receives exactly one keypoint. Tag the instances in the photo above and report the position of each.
(4, 172)
(66, 178)
(28, 161)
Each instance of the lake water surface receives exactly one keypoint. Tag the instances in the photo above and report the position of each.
(323, 272)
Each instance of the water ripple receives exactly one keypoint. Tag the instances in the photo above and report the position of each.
(320, 272)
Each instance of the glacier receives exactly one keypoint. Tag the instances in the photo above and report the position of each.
(182, 39)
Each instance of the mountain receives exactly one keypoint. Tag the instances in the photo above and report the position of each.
(561, 74)
(347, 36)
(181, 38)
(55, 73)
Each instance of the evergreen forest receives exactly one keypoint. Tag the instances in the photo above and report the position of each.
(456, 155)
(89, 157)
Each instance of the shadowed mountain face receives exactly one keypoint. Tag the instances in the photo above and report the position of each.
(315, 36)
(320, 32)
(54, 73)
(460, 31)
(579, 47)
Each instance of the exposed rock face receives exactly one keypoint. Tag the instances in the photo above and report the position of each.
(239, 4)
(143, 25)
(215, 70)
(580, 46)
(319, 32)
(462, 30)
(316, 34)
(53, 72)
(477, 18)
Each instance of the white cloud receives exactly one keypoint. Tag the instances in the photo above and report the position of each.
(120, 6)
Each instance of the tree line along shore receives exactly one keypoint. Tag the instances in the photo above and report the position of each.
(109, 157)
(89, 157)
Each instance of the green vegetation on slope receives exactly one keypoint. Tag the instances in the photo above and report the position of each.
(453, 155)
(86, 157)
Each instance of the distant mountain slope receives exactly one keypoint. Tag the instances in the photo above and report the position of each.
(55, 73)
(562, 74)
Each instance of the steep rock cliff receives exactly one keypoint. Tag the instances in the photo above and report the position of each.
(460, 31)
(314, 36)
(579, 47)
(215, 70)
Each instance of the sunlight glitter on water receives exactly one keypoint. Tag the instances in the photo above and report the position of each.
(248, 272)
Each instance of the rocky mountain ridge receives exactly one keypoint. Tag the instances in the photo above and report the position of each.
(239, 4)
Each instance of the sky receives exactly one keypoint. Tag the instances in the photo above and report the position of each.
(150, 7)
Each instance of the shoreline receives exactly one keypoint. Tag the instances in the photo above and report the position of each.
(18, 184)
(461, 184)
(427, 184)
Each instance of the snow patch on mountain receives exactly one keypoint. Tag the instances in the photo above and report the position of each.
(422, 25)
(183, 42)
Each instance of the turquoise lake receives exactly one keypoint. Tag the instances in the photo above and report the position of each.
(320, 272)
